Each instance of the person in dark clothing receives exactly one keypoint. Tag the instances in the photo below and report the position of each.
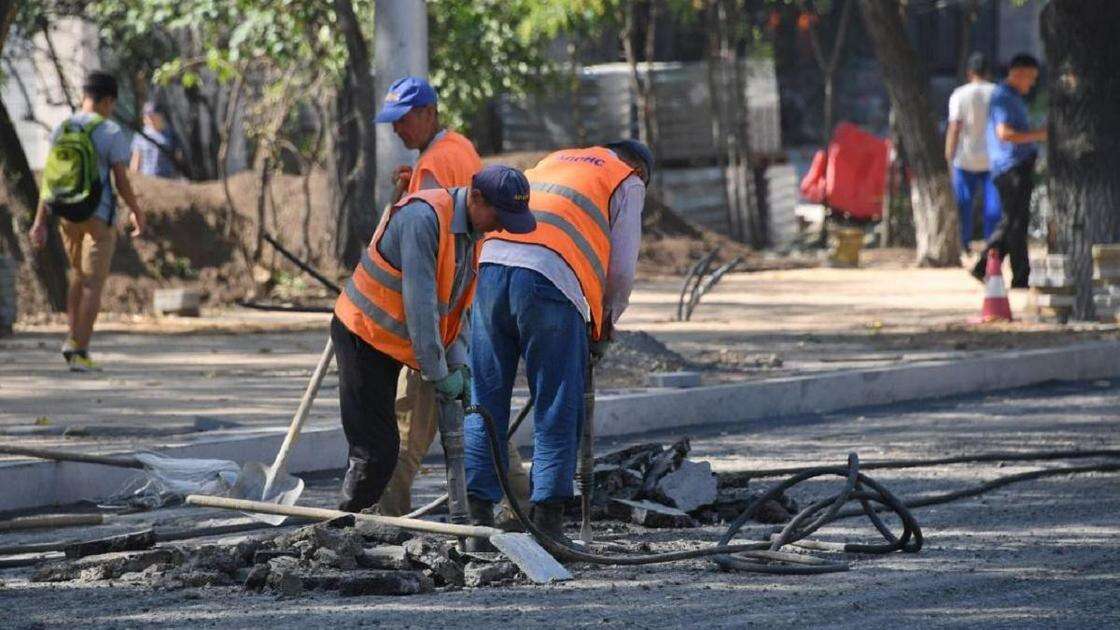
(1012, 150)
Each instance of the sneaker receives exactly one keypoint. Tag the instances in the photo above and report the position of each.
(80, 362)
(69, 348)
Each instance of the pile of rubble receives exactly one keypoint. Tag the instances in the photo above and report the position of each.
(348, 557)
(657, 486)
(649, 485)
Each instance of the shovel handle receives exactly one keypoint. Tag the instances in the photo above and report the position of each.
(304, 407)
(322, 514)
(64, 456)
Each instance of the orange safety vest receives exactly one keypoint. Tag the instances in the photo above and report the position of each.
(372, 305)
(570, 195)
(451, 160)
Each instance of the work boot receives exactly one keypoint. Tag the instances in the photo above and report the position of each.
(481, 512)
(548, 517)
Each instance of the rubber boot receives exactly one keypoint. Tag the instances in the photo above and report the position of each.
(549, 518)
(481, 512)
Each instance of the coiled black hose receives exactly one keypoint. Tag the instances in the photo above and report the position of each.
(758, 557)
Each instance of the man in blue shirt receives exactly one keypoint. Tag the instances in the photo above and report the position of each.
(1012, 149)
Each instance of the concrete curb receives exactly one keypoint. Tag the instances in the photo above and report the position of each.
(30, 484)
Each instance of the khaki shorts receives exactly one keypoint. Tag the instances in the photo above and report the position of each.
(89, 247)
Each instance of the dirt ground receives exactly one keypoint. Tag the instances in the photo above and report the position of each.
(1040, 554)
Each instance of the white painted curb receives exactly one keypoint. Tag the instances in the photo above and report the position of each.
(31, 484)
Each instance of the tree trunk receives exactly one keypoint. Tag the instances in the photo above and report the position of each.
(1083, 53)
(48, 263)
(354, 163)
(935, 214)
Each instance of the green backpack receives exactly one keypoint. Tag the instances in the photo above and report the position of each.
(71, 180)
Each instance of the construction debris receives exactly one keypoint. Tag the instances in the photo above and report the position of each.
(690, 487)
(657, 486)
(649, 485)
(338, 555)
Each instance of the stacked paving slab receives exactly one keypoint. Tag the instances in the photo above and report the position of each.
(1106, 282)
(1052, 288)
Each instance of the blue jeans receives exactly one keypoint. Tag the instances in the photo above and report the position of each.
(966, 184)
(518, 313)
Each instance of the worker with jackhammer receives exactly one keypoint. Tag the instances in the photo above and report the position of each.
(551, 297)
(403, 307)
(447, 159)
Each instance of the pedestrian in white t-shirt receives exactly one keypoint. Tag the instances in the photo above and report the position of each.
(966, 148)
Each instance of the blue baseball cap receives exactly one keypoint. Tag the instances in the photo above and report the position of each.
(636, 149)
(507, 190)
(403, 95)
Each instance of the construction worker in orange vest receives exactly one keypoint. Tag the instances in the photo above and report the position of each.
(551, 297)
(447, 159)
(403, 306)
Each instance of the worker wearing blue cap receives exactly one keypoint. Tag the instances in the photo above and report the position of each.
(404, 305)
(447, 160)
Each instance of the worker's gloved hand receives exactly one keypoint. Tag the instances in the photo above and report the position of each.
(457, 383)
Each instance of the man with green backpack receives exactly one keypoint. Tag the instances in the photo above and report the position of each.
(88, 155)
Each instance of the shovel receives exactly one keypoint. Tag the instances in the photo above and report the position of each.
(521, 549)
(273, 484)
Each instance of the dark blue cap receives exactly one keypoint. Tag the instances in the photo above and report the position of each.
(636, 149)
(507, 190)
(403, 95)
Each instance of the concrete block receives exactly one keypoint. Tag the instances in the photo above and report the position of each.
(264, 556)
(105, 566)
(185, 302)
(393, 558)
(477, 574)
(690, 487)
(679, 380)
(125, 542)
(385, 583)
(439, 565)
(380, 533)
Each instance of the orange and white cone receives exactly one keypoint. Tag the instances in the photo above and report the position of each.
(996, 305)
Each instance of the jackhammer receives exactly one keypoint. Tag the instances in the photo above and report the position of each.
(451, 437)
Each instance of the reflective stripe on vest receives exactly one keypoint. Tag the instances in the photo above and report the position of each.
(570, 195)
(452, 160)
(372, 304)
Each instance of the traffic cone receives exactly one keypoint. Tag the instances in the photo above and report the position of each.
(996, 305)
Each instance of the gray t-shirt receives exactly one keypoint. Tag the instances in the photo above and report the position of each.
(113, 147)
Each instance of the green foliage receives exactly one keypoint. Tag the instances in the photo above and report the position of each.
(476, 52)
